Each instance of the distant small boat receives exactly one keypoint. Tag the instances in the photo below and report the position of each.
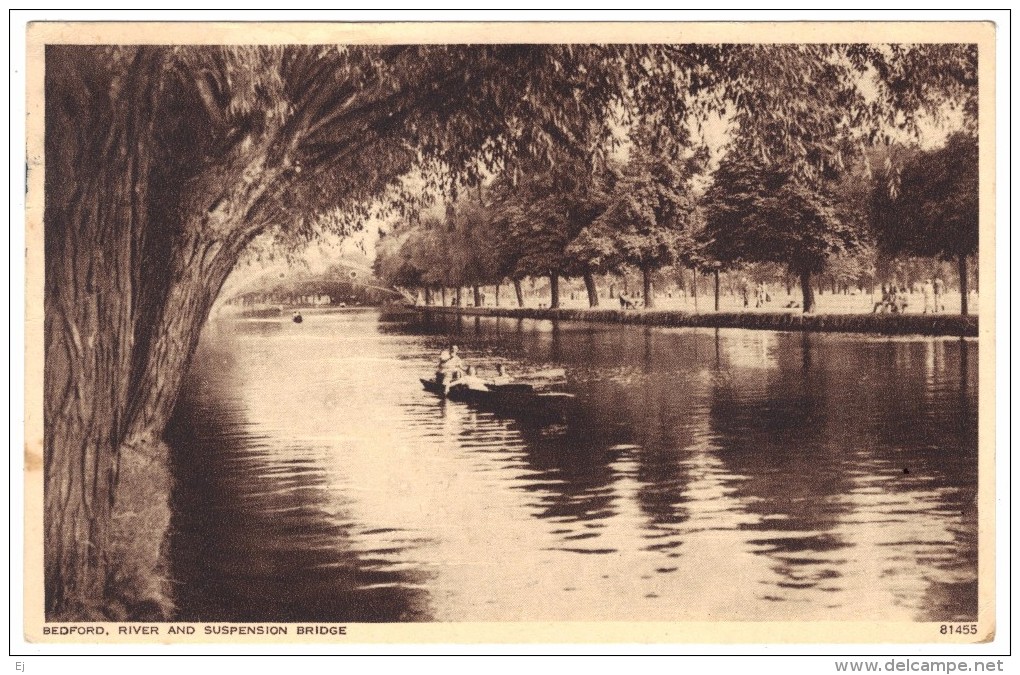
(514, 398)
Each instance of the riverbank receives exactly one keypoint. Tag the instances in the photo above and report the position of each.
(881, 324)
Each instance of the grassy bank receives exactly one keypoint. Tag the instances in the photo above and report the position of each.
(882, 324)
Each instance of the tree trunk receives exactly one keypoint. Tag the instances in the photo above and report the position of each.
(807, 292)
(554, 291)
(716, 275)
(127, 289)
(141, 365)
(86, 383)
(198, 273)
(519, 292)
(458, 297)
(442, 294)
(478, 296)
(646, 284)
(496, 294)
(961, 262)
(95, 217)
(593, 293)
(694, 287)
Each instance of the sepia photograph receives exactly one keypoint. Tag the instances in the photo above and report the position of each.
(397, 333)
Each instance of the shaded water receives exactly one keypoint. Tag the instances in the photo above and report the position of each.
(703, 475)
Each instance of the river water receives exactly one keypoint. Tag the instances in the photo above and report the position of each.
(702, 475)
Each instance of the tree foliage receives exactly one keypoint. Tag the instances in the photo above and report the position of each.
(758, 213)
(652, 211)
(476, 242)
(540, 215)
(461, 248)
(935, 210)
(396, 255)
(762, 213)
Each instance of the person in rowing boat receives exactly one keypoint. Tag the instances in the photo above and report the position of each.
(451, 367)
(471, 380)
(502, 377)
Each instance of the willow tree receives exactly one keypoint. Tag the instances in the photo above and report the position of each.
(423, 253)
(473, 246)
(394, 265)
(533, 238)
(163, 164)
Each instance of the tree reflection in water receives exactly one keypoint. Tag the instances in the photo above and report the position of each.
(703, 474)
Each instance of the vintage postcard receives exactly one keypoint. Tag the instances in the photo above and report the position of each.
(510, 333)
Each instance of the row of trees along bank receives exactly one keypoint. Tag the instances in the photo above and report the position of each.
(852, 227)
(854, 283)
(163, 164)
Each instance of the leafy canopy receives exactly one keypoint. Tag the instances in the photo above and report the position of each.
(652, 214)
(762, 213)
(935, 210)
(333, 128)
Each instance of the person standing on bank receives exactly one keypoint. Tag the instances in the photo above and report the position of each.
(928, 293)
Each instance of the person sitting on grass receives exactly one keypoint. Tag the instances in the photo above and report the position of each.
(885, 302)
(900, 301)
(893, 300)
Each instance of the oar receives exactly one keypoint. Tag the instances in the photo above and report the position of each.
(545, 374)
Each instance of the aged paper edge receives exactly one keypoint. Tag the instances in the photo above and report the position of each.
(40, 34)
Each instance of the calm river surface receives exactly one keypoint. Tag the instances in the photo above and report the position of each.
(703, 475)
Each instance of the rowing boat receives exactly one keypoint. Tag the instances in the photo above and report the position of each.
(514, 398)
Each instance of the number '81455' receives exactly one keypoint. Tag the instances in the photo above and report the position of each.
(958, 629)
